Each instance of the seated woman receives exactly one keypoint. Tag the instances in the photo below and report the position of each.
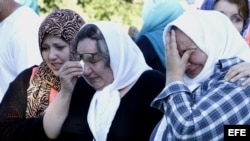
(125, 86)
(33, 90)
(197, 102)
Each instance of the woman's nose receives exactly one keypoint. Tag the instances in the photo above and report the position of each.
(86, 69)
(188, 65)
(52, 54)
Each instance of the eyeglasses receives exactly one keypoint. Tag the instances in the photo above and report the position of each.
(88, 57)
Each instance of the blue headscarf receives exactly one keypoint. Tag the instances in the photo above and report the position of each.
(156, 15)
(209, 5)
(30, 3)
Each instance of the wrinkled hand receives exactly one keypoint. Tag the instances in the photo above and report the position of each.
(176, 64)
(238, 71)
(69, 73)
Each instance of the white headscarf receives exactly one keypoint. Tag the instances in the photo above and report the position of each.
(127, 63)
(215, 35)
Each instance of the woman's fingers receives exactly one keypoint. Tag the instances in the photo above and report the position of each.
(69, 73)
(239, 71)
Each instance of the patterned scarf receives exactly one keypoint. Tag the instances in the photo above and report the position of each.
(63, 23)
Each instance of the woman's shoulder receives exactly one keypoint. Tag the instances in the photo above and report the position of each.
(26, 74)
(143, 42)
(155, 74)
(150, 84)
(21, 83)
(152, 78)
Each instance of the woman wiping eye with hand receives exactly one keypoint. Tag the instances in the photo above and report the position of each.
(197, 102)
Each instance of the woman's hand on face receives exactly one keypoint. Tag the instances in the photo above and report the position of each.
(176, 64)
(238, 71)
(69, 73)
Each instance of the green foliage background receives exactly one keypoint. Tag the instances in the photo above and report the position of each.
(124, 12)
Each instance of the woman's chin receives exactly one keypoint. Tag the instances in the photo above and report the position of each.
(56, 73)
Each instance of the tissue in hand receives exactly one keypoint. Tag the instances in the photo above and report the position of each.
(82, 64)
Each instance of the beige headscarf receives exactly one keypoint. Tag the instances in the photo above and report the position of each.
(63, 23)
(127, 63)
(215, 35)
